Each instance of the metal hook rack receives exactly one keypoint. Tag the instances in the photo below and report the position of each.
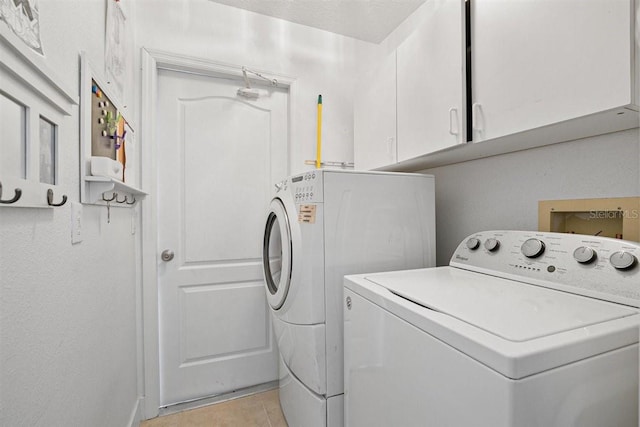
(99, 186)
(28, 194)
(128, 199)
(116, 197)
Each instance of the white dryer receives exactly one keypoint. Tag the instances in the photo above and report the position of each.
(321, 226)
(521, 329)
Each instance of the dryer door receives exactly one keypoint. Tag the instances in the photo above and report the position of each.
(277, 254)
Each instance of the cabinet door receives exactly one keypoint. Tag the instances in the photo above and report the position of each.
(431, 81)
(375, 116)
(539, 62)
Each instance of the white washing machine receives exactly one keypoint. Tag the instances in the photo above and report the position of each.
(322, 225)
(521, 329)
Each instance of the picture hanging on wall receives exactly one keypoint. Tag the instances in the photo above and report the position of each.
(23, 17)
(115, 61)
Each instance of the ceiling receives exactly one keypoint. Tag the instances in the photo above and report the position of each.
(368, 20)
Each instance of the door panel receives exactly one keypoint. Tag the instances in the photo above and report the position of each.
(241, 305)
(240, 145)
(540, 62)
(431, 82)
(218, 158)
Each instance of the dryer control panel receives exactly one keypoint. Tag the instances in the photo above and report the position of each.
(593, 266)
(307, 187)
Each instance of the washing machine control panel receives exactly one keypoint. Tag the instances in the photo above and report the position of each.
(594, 266)
(306, 188)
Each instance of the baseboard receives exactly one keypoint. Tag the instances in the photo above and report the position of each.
(136, 413)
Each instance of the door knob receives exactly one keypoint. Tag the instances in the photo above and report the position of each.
(167, 255)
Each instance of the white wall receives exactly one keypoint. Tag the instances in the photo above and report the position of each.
(502, 192)
(321, 62)
(68, 312)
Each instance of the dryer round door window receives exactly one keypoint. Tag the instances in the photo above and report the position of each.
(276, 254)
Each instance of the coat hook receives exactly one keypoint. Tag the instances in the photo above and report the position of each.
(113, 197)
(16, 196)
(126, 198)
(120, 201)
(50, 199)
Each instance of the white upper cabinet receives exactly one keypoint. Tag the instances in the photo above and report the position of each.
(541, 72)
(375, 116)
(542, 62)
(431, 81)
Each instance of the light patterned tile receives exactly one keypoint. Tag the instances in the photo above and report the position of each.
(258, 410)
(271, 402)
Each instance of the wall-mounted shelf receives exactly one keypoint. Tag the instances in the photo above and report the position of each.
(24, 193)
(343, 165)
(103, 127)
(615, 120)
(35, 105)
(99, 185)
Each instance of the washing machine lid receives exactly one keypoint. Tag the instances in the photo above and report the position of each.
(511, 310)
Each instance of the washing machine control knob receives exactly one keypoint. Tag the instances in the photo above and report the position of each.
(622, 260)
(492, 244)
(473, 243)
(585, 255)
(532, 248)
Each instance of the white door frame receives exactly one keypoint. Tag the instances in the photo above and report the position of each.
(152, 62)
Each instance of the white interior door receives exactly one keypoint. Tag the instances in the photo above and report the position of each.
(218, 158)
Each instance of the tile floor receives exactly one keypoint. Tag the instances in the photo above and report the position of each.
(257, 410)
